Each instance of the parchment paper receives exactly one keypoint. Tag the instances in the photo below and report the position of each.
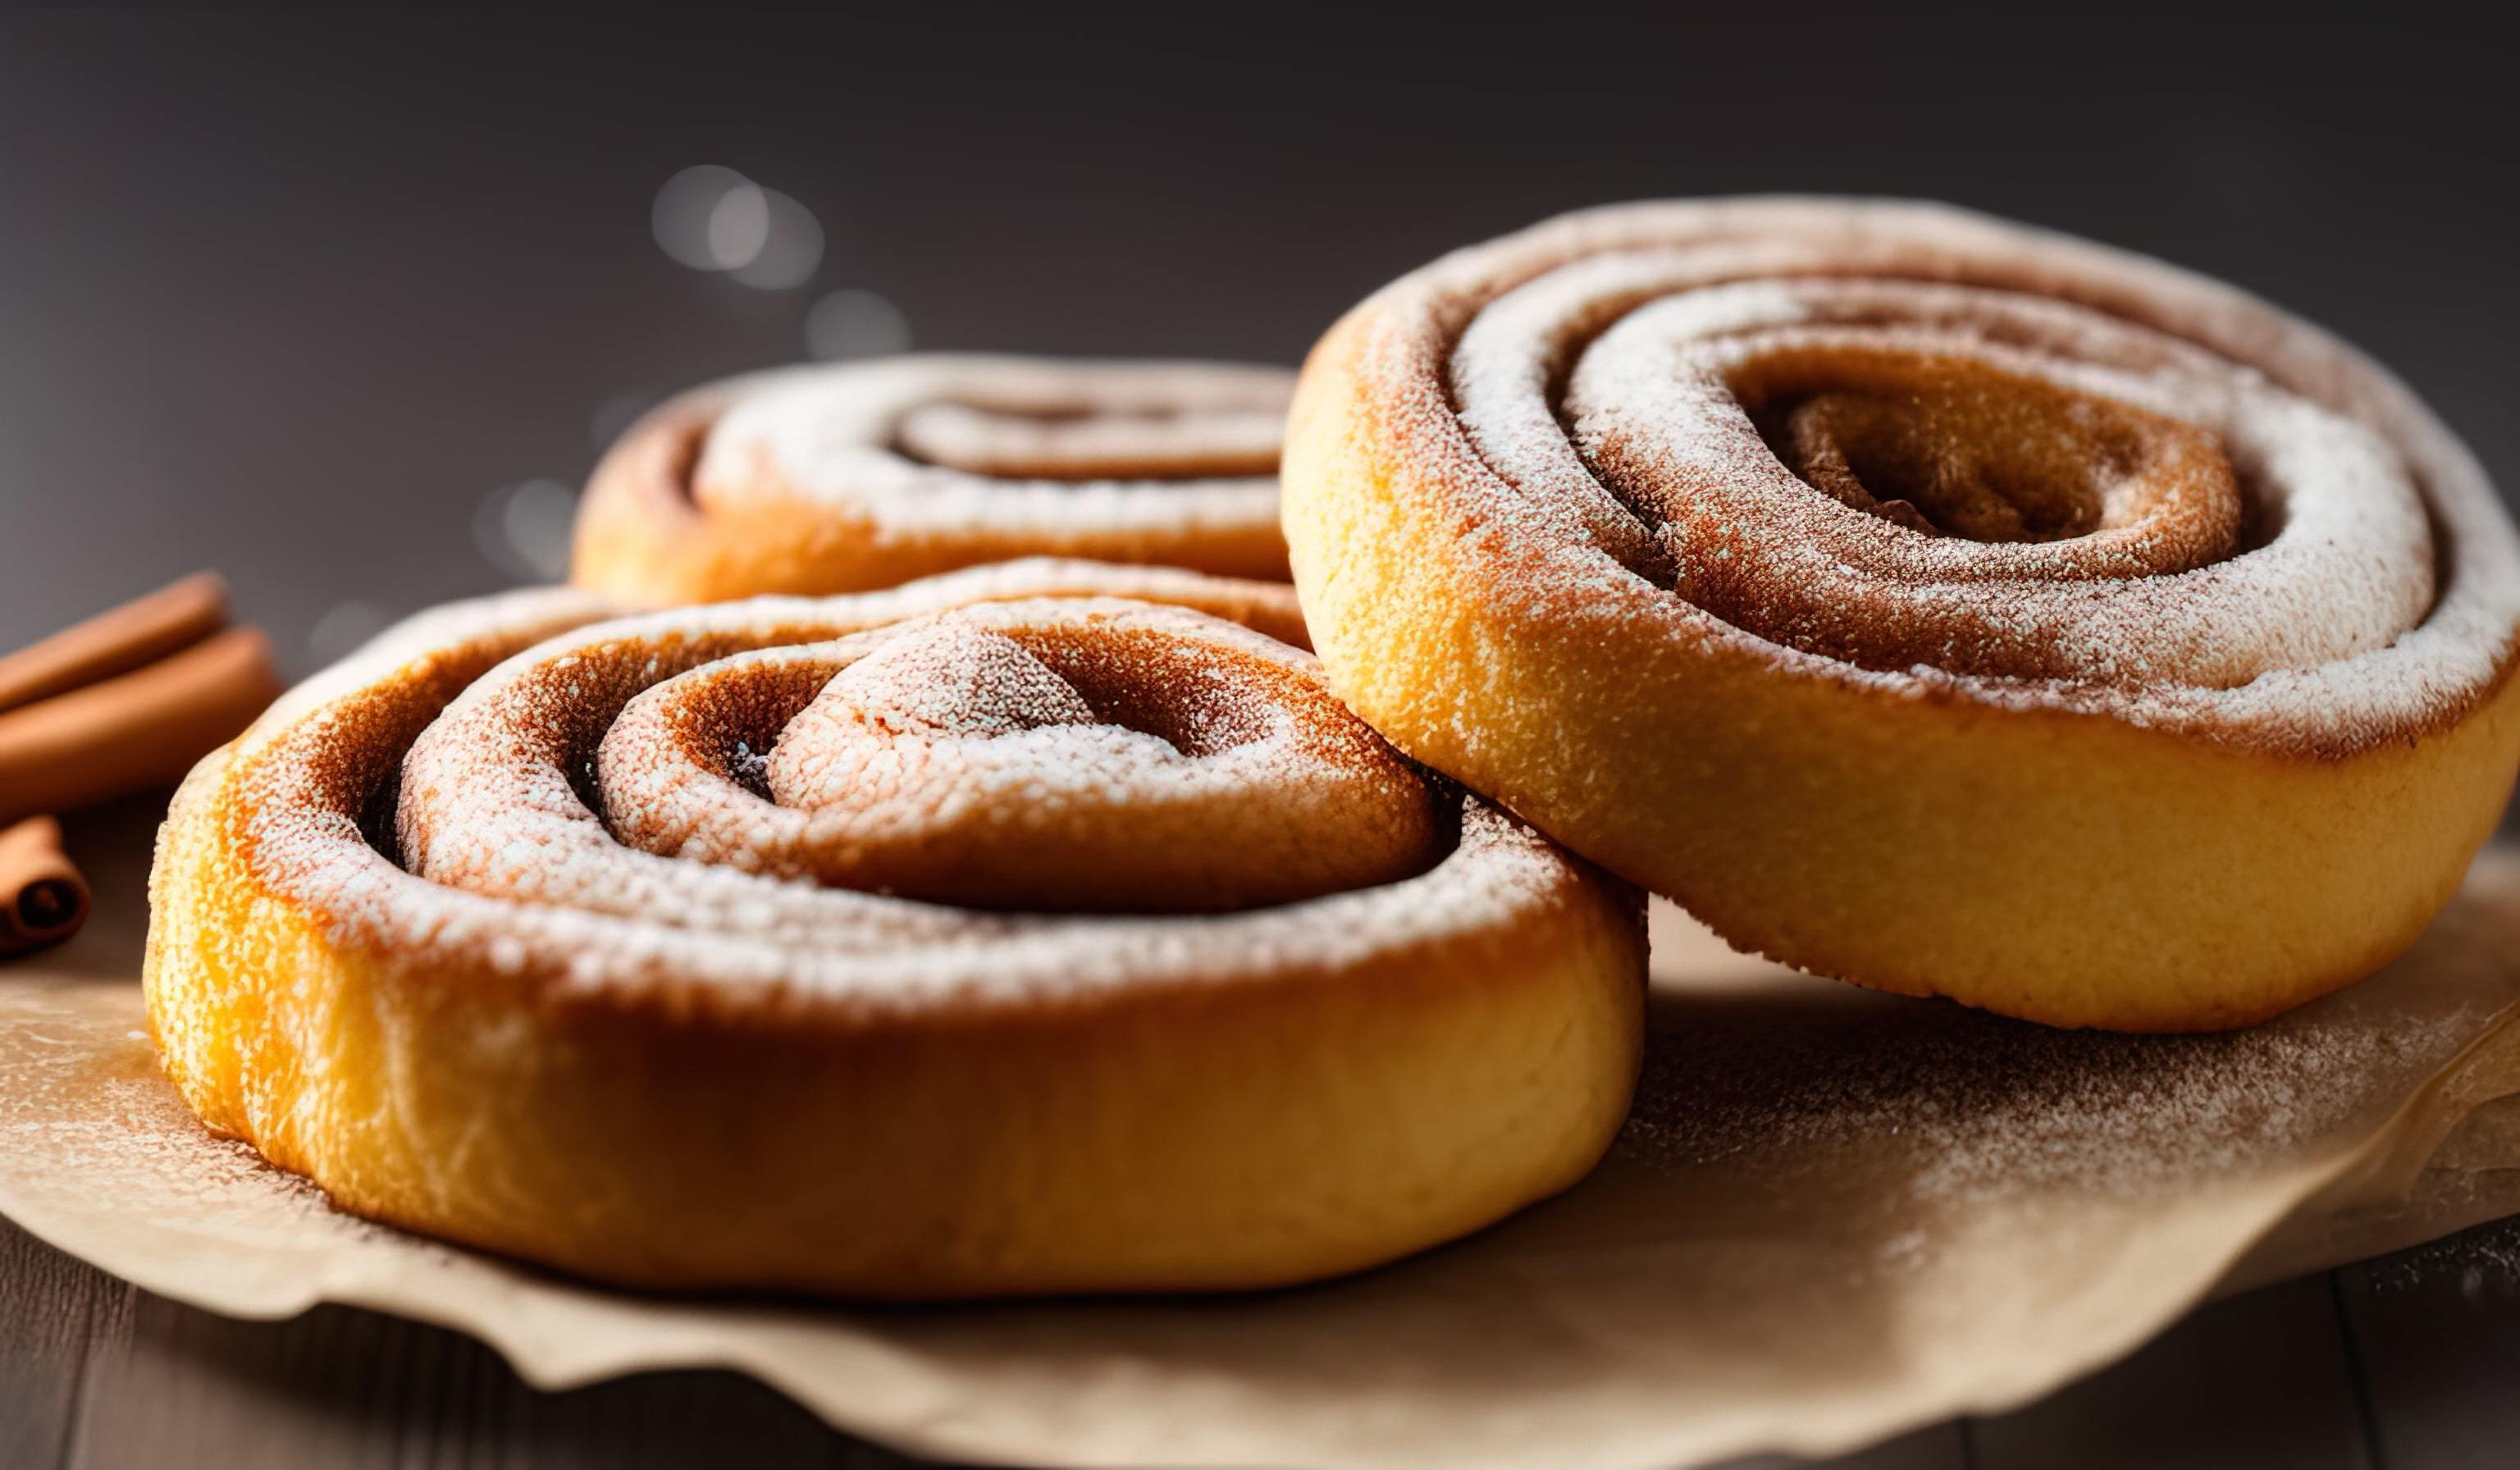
(1834, 1216)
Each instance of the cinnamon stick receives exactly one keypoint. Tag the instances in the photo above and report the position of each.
(134, 730)
(43, 898)
(132, 635)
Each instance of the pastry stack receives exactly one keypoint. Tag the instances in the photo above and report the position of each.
(919, 856)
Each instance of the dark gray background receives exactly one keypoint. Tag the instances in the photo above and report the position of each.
(291, 294)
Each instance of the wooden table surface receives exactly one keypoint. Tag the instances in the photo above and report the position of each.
(2406, 1362)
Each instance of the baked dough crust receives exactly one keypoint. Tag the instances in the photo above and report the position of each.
(673, 1073)
(2159, 836)
(846, 477)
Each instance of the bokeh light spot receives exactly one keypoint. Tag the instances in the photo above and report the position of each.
(738, 226)
(791, 249)
(686, 210)
(523, 531)
(855, 323)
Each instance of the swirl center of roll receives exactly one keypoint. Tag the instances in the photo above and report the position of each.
(1120, 764)
(1902, 475)
(1950, 448)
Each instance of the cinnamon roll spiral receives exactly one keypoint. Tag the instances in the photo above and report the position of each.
(852, 476)
(1042, 927)
(1923, 599)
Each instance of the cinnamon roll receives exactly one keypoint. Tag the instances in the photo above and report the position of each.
(1045, 927)
(1925, 600)
(853, 476)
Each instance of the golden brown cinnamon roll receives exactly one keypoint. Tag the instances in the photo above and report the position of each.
(853, 476)
(1926, 600)
(1045, 927)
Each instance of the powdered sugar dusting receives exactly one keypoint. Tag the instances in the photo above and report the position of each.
(963, 679)
(1045, 755)
(1990, 1107)
(504, 861)
(2161, 592)
(1572, 394)
(1748, 1063)
(1024, 447)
